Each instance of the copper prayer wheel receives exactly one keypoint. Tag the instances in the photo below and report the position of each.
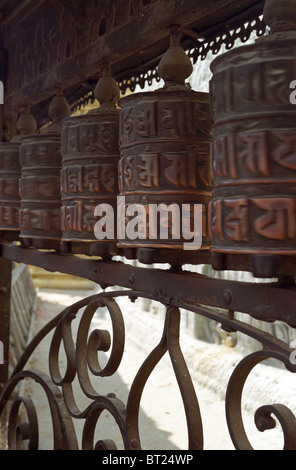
(165, 155)
(10, 171)
(40, 158)
(89, 175)
(9, 186)
(253, 211)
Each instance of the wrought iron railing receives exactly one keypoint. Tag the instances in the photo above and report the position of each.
(176, 290)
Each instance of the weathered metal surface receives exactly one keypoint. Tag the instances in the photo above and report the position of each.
(174, 288)
(10, 173)
(40, 159)
(165, 148)
(165, 155)
(41, 162)
(9, 186)
(62, 43)
(253, 152)
(83, 362)
(264, 416)
(90, 156)
(89, 172)
(5, 312)
(267, 302)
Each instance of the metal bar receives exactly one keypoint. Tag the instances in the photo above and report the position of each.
(2, 78)
(5, 275)
(5, 289)
(264, 301)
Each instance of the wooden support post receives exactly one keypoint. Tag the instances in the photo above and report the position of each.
(5, 273)
(2, 79)
(5, 303)
(5, 286)
(1, 122)
(5, 292)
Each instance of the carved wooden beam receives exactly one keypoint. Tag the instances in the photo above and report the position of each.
(17, 11)
(52, 49)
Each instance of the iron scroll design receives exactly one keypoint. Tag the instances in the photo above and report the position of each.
(82, 361)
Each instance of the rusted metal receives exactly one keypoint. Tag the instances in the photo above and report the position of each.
(10, 173)
(40, 159)
(82, 361)
(263, 301)
(64, 437)
(165, 147)
(90, 156)
(253, 207)
(175, 288)
(264, 416)
(170, 342)
(40, 188)
(67, 46)
(5, 312)
(9, 187)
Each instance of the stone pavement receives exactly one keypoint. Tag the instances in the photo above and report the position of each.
(162, 419)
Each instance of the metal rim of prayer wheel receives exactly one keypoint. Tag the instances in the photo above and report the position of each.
(89, 176)
(10, 171)
(165, 156)
(9, 187)
(40, 160)
(253, 211)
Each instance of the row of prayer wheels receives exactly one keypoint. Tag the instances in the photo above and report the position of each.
(167, 168)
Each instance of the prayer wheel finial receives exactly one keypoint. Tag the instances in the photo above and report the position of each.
(164, 147)
(26, 123)
(280, 15)
(106, 90)
(175, 66)
(39, 185)
(58, 110)
(89, 175)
